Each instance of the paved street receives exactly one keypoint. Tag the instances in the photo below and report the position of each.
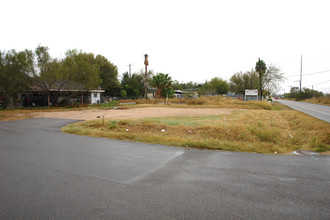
(45, 174)
(318, 111)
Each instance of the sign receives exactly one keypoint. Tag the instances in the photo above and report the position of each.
(253, 92)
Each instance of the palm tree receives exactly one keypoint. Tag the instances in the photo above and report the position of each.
(161, 81)
(261, 69)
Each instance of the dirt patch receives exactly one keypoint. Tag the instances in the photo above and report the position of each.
(134, 113)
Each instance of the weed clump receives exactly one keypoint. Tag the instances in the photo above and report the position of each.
(262, 105)
(113, 124)
(318, 145)
(265, 134)
(195, 102)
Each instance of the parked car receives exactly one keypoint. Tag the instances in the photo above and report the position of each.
(34, 100)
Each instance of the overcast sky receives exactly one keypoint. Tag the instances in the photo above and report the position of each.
(190, 40)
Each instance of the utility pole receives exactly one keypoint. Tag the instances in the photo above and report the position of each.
(260, 79)
(130, 75)
(300, 72)
(146, 63)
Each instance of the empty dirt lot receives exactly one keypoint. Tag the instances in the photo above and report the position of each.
(134, 113)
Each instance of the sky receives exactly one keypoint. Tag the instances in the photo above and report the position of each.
(191, 40)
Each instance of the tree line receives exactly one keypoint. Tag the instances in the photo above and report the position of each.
(266, 79)
(26, 70)
(304, 93)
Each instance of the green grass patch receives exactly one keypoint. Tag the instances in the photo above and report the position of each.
(105, 105)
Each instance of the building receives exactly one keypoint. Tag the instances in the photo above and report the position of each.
(61, 94)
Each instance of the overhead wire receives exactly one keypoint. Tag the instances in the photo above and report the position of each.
(319, 83)
(311, 73)
(319, 58)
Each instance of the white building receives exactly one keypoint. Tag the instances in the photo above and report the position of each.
(96, 96)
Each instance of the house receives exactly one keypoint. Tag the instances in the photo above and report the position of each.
(191, 93)
(178, 94)
(60, 93)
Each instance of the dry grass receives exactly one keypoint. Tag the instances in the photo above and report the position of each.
(11, 115)
(321, 101)
(205, 102)
(20, 114)
(260, 131)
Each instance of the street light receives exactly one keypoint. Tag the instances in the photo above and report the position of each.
(146, 63)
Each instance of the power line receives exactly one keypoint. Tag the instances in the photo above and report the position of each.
(311, 73)
(319, 83)
(319, 58)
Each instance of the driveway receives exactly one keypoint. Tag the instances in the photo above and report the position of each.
(45, 174)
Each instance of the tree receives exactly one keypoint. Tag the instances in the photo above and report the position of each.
(163, 84)
(186, 86)
(84, 71)
(133, 84)
(87, 71)
(261, 69)
(272, 79)
(177, 85)
(109, 76)
(250, 80)
(219, 85)
(190, 85)
(50, 74)
(15, 70)
(237, 83)
(204, 88)
(305, 93)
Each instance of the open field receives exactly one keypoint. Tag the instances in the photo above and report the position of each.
(94, 111)
(279, 130)
(207, 123)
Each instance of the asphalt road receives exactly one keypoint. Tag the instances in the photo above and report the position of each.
(318, 111)
(45, 174)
